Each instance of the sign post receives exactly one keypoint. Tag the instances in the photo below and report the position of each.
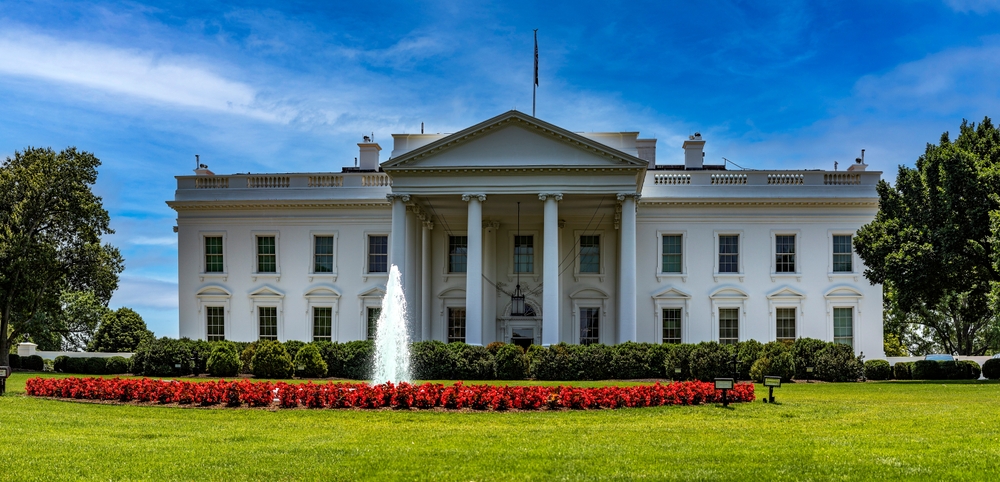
(724, 384)
(771, 382)
(4, 373)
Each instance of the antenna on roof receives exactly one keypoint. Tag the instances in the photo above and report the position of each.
(197, 161)
(421, 127)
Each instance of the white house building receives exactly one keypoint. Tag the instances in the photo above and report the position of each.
(606, 245)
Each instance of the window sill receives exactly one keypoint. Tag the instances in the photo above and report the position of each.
(777, 276)
(716, 276)
(223, 276)
(451, 275)
(324, 276)
(364, 277)
(598, 276)
(683, 276)
(275, 276)
(843, 275)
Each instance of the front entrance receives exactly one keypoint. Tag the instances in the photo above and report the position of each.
(523, 337)
(522, 332)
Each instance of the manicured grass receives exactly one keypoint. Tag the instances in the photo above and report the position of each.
(851, 431)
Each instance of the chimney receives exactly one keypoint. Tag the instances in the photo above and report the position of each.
(201, 169)
(647, 150)
(694, 152)
(859, 163)
(368, 160)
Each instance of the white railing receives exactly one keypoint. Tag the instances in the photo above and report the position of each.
(771, 179)
(729, 179)
(672, 179)
(793, 179)
(286, 181)
(267, 182)
(375, 180)
(211, 182)
(841, 179)
(326, 181)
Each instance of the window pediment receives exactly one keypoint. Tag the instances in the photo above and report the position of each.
(844, 292)
(786, 293)
(729, 293)
(671, 293)
(322, 292)
(214, 291)
(266, 292)
(376, 292)
(452, 293)
(589, 293)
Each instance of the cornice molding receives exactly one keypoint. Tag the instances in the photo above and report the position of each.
(216, 205)
(763, 202)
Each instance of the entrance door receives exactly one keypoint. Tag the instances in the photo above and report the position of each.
(523, 337)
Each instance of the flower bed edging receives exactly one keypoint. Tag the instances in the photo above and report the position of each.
(364, 396)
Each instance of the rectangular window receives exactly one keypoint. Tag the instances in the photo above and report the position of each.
(267, 318)
(784, 253)
(267, 259)
(729, 253)
(323, 254)
(785, 329)
(216, 319)
(322, 324)
(378, 253)
(213, 254)
(729, 326)
(843, 259)
(672, 253)
(589, 325)
(458, 253)
(590, 254)
(671, 325)
(372, 321)
(524, 254)
(456, 325)
(843, 326)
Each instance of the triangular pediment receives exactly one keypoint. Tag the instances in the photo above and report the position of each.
(671, 293)
(514, 140)
(786, 294)
(375, 292)
(266, 292)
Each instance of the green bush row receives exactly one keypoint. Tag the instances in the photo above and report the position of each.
(33, 362)
(115, 365)
(938, 370)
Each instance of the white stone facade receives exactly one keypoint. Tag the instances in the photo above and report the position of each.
(595, 209)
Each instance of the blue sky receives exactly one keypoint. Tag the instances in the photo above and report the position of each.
(279, 87)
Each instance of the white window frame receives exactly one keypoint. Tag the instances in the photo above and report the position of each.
(671, 298)
(254, 274)
(844, 297)
(324, 297)
(446, 255)
(203, 275)
(600, 274)
(741, 259)
(536, 270)
(213, 295)
(313, 275)
(855, 259)
(784, 297)
(729, 297)
(372, 298)
(365, 274)
(267, 296)
(660, 274)
(592, 298)
(797, 274)
(449, 298)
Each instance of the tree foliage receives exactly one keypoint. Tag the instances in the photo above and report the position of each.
(120, 331)
(51, 225)
(933, 243)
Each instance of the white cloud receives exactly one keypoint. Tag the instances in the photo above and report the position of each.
(143, 75)
(138, 292)
(150, 241)
(980, 7)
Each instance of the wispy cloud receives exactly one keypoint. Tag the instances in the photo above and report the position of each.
(980, 7)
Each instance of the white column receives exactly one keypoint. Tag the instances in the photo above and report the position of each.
(490, 273)
(410, 273)
(397, 238)
(550, 270)
(626, 272)
(474, 271)
(425, 280)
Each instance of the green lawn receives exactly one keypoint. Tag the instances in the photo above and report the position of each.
(850, 431)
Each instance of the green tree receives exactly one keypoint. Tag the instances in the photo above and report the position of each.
(51, 225)
(932, 243)
(120, 331)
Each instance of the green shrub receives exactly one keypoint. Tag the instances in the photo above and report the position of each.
(33, 362)
(901, 371)
(747, 352)
(293, 347)
(969, 369)
(224, 360)
(632, 360)
(569, 362)
(471, 362)
(777, 364)
(75, 365)
(991, 369)
(162, 357)
(14, 360)
(200, 351)
(352, 360)
(949, 370)
(805, 352)
(431, 360)
(59, 365)
(96, 366)
(494, 347)
(309, 362)
(878, 370)
(837, 363)
(271, 360)
(116, 365)
(710, 360)
(926, 370)
(677, 356)
(246, 357)
(509, 362)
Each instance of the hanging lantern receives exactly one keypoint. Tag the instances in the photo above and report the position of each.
(517, 302)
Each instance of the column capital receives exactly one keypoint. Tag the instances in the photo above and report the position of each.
(634, 195)
(468, 197)
(545, 195)
(394, 196)
(429, 224)
(491, 224)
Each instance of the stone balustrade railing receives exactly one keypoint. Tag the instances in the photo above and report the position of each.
(285, 181)
(762, 178)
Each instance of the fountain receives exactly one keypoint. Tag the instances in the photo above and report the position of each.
(392, 340)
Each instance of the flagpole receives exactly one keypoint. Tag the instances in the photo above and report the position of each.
(534, 86)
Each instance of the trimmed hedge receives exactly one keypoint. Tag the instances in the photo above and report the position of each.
(163, 357)
(902, 371)
(805, 352)
(33, 362)
(271, 360)
(926, 370)
(309, 363)
(352, 360)
(991, 369)
(509, 362)
(710, 360)
(14, 360)
(878, 370)
(969, 369)
(677, 356)
(837, 363)
(117, 365)
(224, 360)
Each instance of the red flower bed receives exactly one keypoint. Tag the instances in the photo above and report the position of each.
(403, 395)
